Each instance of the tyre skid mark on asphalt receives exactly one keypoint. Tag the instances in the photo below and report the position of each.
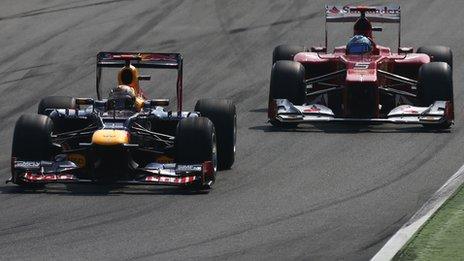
(384, 234)
(317, 207)
(25, 77)
(303, 18)
(237, 30)
(58, 83)
(112, 220)
(27, 68)
(235, 255)
(42, 11)
(238, 49)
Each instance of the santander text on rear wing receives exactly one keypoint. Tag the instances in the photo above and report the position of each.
(390, 13)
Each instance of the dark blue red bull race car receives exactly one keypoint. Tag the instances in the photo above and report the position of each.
(122, 136)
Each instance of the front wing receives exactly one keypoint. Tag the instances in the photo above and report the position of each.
(438, 113)
(63, 171)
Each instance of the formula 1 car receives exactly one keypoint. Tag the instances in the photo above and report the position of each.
(125, 138)
(362, 81)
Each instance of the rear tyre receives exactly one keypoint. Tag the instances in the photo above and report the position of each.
(222, 113)
(56, 102)
(287, 82)
(286, 52)
(32, 141)
(195, 143)
(435, 84)
(438, 54)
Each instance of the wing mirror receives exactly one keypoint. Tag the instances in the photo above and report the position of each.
(318, 49)
(156, 102)
(144, 77)
(405, 50)
(84, 101)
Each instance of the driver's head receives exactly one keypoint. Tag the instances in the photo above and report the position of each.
(359, 44)
(122, 98)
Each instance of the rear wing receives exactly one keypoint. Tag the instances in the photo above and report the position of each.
(389, 13)
(142, 60)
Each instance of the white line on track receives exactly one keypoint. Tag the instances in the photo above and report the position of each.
(408, 230)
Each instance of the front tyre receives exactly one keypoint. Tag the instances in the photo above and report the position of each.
(222, 112)
(435, 84)
(32, 140)
(287, 82)
(195, 143)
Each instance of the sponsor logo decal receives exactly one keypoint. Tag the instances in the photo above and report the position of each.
(334, 10)
(380, 10)
(361, 72)
(47, 177)
(170, 180)
(169, 172)
(27, 164)
(188, 168)
(313, 108)
(361, 66)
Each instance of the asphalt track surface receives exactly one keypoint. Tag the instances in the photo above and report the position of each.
(315, 193)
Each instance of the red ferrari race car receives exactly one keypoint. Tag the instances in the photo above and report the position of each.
(122, 137)
(362, 81)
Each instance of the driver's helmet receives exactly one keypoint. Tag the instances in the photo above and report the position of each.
(359, 44)
(122, 98)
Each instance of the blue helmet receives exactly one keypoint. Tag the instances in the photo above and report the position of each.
(359, 44)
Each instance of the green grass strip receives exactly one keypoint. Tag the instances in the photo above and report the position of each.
(442, 237)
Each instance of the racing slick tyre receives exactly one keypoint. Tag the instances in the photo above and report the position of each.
(287, 82)
(195, 143)
(438, 54)
(32, 141)
(222, 113)
(61, 102)
(286, 52)
(435, 84)
(56, 102)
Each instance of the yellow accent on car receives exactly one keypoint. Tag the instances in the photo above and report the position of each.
(110, 137)
(134, 77)
(139, 103)
(164, 159)
(78, 159)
